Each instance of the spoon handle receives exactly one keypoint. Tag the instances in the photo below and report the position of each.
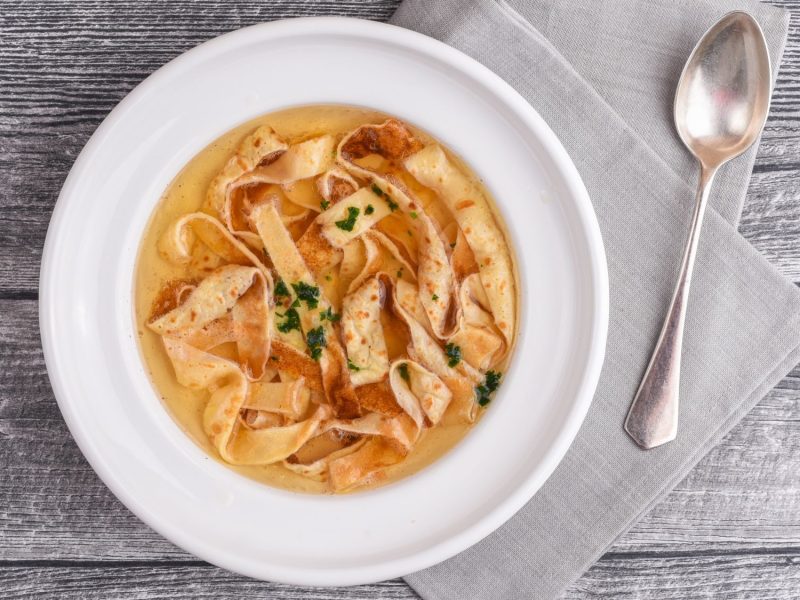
(653, 417)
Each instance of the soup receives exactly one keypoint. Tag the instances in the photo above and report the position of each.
(325, 299)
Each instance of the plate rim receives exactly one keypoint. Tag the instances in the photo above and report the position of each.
(532, 481)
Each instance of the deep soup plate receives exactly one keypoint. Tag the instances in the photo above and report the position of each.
(90, 339)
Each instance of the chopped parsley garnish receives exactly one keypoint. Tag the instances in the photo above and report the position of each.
(434, 297)
(307, 293)
(328, 277)
(352, 366)
(281, 289)
(404, 371)
(488, 387)
(413, 214)
(296, 303)
(292, 321)
(275, 358)
(369, 210)
(408, 231)
(324, 205)
(393, 206)
(452, 244)
(453, 353)
(400, 273)
(350, 222)
(329, 315)
(315, 339)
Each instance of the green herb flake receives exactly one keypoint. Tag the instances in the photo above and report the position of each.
(403, 369)
(369, 210)
(281, 289)
(393, 206)
(275, 358)
(452, 244)
(413, 214)
(400, 273)
(292, 321)
(376, 190)
(324, 205)
(490, 384)
(350, 222)
(453, 353)
(434, 297)
(408, 231)
(352, 366)
(315, 340)
(329, 315)
(295, 304)
(328, 277)
(307, 293)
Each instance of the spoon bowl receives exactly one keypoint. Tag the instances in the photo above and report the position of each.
(722, 99)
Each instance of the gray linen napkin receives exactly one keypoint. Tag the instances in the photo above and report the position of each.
(602, 74)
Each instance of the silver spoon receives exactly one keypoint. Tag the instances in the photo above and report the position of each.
(721, 104)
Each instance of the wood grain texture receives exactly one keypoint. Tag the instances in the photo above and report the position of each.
(731, 529)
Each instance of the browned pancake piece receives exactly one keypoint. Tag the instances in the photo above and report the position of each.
(378, 397)
(392, 140)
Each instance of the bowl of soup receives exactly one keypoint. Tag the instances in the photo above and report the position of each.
(320, 324)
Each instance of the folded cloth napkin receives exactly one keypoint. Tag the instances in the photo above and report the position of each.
(603, 74)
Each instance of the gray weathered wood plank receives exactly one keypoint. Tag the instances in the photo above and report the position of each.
(170, 582)
(757, 577)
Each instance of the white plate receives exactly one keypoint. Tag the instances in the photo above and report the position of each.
(88, 328)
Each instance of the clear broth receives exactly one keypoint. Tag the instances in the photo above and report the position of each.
(186, 194)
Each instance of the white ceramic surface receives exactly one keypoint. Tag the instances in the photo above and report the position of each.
(87, 317)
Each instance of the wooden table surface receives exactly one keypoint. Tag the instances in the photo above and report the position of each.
(731, 529)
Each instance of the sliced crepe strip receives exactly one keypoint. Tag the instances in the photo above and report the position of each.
(319, 469)
(381, 255)
(419, 392)
(292, 269)
(481, 343)
(300, 161)
(322, 244)
(354, 259)
(462, 258)
(293, 337)
(178, 241)
(173, 293)
(217, 332)
(351, 216)
(288, 398)
(261, 146)
(432, 168)
(400, 430)
(363, 334)
(335, 184)
(317, 251)
(378, 398)
(393, 141)
(196, 369)
(296, 364)
(304, 192)
(274, 444)
(461, 380)
(365, 463)
(243, 292)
